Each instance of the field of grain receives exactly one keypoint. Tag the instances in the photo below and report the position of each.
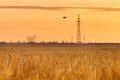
(59, 62)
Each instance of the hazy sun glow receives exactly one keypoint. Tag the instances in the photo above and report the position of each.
(48, 25)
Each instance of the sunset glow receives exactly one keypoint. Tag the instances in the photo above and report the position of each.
(97, 25)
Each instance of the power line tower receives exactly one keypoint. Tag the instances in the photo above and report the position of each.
(34, 38)
(78, 39)
(72, 39)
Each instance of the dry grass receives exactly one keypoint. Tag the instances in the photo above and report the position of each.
(39, 62)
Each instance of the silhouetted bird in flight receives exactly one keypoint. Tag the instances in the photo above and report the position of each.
(64, 17)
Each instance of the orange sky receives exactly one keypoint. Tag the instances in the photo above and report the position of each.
(48, 25)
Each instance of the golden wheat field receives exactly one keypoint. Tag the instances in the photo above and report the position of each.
(59, 62)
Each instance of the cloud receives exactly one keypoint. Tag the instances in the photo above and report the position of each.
(32, 7)
(60, 8)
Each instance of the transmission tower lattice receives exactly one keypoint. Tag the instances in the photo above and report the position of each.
(78, 30)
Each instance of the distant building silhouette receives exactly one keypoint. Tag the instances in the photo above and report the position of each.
(31, 39)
